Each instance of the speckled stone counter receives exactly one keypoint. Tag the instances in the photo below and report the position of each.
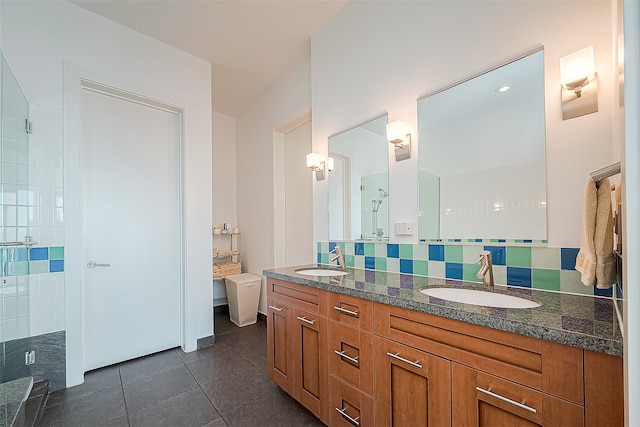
(581, 321)
(13, 395)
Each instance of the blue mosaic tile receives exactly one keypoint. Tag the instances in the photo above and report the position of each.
(358, 248)
(436, 252)
(568, 258)
(528, 241)
(406, 266)
(370, 262)
(332, 246)
(498, 254)
(519, 276)
(56, 265)
(603, 292)
(319, 258)
(454, 270)
(393, 250)
(38, 254)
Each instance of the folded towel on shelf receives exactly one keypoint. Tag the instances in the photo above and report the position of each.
(603, 238)
(224, 269)
(586, 259)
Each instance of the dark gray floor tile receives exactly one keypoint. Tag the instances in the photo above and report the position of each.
(219, 364)
(93, 409)
(94, 381)
(274, 410)
(191, 408)
(149, 365)
(217, 423)
(218, 347)
(229, 392)
(118, 422)
(147, 391)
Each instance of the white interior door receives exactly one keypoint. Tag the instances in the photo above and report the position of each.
(131, 228)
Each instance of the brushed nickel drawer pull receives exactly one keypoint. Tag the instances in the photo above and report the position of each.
(275, 308)
(505, 399)
(396, 356)
(342, 354)
(304, 319)
(345, 311)
(343, 412)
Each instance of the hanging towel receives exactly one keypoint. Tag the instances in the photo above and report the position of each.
(603, 238)
(586, 259)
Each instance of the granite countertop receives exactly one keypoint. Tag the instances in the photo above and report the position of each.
(577, 320)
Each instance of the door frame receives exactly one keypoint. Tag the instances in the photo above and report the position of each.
(76, 81)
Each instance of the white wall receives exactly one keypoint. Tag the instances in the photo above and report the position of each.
(377, 56)
(44, 40)
(631, 172)
(223, 184)
(287, 101)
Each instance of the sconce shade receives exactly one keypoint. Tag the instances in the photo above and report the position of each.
(396, 132)
(330, 163)
(577, 69)
(314, 161)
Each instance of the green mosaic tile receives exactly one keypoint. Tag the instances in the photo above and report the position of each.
(406, 293)
(39, 267)
(348, 260)
(406, 251)
(570, 282)
(494, 240)
(381, 264)
(469, 272)
(421, 267)
(381, 278)
(370, 249)
(548, 280)
(56, 252)
(324, 258)
(453, 253)
(341, 244)
(18, 268)
(518, 256)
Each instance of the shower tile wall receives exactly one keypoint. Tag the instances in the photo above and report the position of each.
(33, 280)
(514, 263)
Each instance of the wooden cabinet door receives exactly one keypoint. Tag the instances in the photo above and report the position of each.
(311, 377)
(480, 399)
(349, 406)
(413, 388)
(351, 356)
(280, 351)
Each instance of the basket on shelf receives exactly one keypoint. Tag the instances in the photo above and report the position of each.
(226, 268)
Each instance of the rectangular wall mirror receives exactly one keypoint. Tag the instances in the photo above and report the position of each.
(359, 182)
(482, 171)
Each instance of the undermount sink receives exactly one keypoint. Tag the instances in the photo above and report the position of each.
(326, 272)
(475, 297)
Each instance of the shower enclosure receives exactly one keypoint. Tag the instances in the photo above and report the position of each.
(375, 206)
(15, 343)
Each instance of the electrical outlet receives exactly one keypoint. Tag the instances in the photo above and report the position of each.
(404, 228)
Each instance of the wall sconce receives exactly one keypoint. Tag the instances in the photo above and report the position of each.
(316, 163)
(399, 134)
(579, 85)
(330, 163)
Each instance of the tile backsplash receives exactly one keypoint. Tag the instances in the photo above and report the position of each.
(545, 268)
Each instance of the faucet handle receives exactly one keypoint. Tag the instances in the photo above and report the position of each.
(484, 255)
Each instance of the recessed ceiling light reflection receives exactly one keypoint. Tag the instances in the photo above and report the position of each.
(503, 89)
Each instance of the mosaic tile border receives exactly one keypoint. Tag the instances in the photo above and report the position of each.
(38, 260)
(487, 241)
(544, 268)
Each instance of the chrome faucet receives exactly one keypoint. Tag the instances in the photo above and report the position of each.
(338, 257)
(486, 268)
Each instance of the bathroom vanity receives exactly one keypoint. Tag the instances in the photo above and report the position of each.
(369, 348)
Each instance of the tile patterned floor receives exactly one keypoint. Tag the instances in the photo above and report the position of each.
(222, 385)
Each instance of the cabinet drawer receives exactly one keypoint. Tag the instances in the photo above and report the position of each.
(480, 399)
(351, 356)
(350, 407)
(311, 299)
(351, 311)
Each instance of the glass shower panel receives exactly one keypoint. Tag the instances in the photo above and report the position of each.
(374, 192)
(14, 202)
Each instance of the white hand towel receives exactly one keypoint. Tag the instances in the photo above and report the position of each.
(586, 259)
(603, 238)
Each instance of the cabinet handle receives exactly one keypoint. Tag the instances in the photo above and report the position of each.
(275, 308)
(342, 354)
(343, 412)
(505, 399)
(304, 319)
(345, 311)
(396, 356)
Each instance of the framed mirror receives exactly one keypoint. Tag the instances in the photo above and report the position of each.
(359, 182)
(482, 171)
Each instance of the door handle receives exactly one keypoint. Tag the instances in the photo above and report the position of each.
(93, 264)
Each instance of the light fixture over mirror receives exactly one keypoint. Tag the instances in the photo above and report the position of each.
(579, 85)
(358, 183)
(399, 134)
(316, 163)
(481, 156)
